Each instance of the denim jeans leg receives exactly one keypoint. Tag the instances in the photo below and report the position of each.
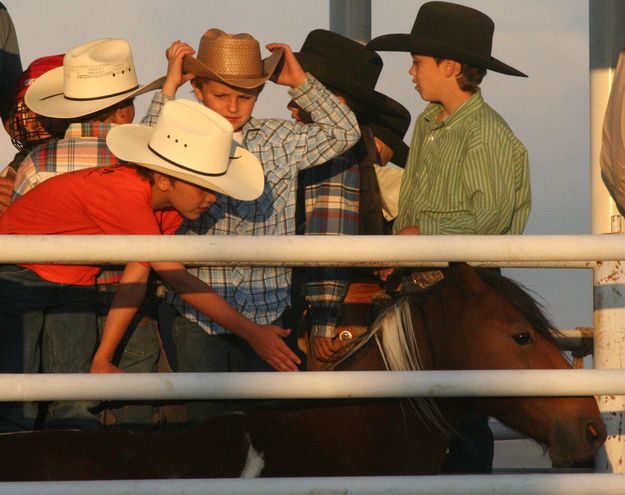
(69, 342)
(23, 295)
(138, 352)
(199, 352)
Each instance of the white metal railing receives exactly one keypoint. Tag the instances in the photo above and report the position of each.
(576, 250)
(526, 484)
(345, 384)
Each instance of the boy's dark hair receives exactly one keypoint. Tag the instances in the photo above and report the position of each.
(102, 115)
(143, 172)
(469, 78)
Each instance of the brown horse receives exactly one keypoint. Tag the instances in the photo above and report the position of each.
(466, 321)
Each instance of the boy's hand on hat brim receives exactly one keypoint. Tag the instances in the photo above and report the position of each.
(291, 73)
(175, 76)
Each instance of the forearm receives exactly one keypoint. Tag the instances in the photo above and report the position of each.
(325, 291)
(334, 129)
(205, 299)
(126, 302)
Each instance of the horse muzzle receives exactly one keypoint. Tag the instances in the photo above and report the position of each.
(576, 446)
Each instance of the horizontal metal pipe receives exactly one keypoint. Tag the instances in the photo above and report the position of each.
(525, 484)
(319, 250)
(352, 384)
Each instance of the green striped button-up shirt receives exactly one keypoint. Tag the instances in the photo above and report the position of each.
(468, 174)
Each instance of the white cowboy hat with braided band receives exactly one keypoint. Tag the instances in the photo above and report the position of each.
(94, 76)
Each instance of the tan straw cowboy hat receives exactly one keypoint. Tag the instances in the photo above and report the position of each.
(194, 144)
(233, 59)
(94, 76)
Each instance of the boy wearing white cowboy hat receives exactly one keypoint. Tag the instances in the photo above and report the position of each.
(190, 157)
(228, 75)
(466, 172)
(93, 90)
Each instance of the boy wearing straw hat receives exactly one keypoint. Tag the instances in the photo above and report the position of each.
(181, 164)
(228, 76)
(466, 172)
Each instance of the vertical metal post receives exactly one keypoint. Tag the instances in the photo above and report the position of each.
(351, 18)
(607, 40)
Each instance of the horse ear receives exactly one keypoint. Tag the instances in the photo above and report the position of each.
(466, 278)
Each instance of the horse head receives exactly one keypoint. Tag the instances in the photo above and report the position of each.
(487, 321)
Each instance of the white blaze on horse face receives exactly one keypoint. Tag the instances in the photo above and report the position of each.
(254, 463)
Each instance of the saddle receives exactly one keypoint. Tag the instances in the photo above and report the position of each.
(364, 301)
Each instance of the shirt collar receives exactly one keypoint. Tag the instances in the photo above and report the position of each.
(88, 129)
(467, 108)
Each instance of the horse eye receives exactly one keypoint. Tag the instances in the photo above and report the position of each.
(523, 338)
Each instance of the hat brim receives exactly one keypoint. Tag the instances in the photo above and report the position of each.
(244, 179)
(200, 69)
(423, 45)
(335, 78)
(45, 97)
(393, 141)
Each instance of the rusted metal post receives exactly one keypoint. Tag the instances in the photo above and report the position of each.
(607, 40)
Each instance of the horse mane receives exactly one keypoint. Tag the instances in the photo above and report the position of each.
(397, 342)
(522, 299)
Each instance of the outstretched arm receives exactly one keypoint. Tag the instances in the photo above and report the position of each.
(128, 297)
(266, 340)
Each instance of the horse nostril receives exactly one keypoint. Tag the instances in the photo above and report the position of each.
(595, 434)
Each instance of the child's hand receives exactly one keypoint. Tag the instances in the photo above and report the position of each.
(268, 344)
(104, 366)
(175, 77)
(291, 73)
(323, 347)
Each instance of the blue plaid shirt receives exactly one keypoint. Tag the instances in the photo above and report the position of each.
(283, 147)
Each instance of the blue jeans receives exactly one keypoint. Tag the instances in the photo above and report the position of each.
(138, 352)
(190, 349)
(50, 328)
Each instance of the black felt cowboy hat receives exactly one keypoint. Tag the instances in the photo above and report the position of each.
(345, 65)
(390, 127)
(449, 30)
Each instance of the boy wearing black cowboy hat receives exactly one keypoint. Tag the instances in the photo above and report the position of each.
(340, 197)
(466, 172)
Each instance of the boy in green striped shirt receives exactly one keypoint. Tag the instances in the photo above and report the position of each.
(466, 172)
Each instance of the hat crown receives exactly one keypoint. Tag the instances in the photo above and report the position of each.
(192, 137)
(455, 25)
(99, 69)
(231, 55)
(344, 55)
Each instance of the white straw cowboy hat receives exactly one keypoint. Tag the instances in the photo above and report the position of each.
(233, 59)
(194, 144)
(94, 76)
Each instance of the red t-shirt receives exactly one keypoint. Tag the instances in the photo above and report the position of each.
(106, 200)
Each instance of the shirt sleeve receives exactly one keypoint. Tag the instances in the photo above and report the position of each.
(334, 128)
(154, 110)
(27, 177)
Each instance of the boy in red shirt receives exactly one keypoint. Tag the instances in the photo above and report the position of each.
(188, 157)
